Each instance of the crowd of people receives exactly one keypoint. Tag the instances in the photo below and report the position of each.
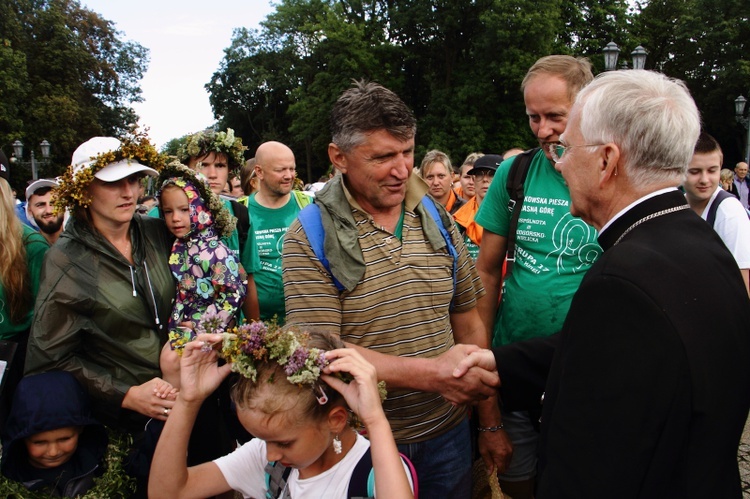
(551, 317)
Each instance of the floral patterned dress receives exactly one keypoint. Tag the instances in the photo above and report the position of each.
(210, 279)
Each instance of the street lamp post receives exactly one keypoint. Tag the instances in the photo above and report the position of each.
(739, 111)
(18, 153)
(612, 53)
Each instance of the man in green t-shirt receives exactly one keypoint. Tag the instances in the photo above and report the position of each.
(553, 249)
(273, 209)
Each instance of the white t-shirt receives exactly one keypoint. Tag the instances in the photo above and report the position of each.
(733, 226)
(244, 471)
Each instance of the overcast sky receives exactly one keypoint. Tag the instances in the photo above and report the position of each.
(186, 39)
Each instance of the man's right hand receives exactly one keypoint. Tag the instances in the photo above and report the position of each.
(476, 382)
(476, 358)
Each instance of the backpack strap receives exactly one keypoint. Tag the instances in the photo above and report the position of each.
(276, 478)
(362, 481)
(711, 216)
(301, 198)
(514, 185)
(432, 209)
(413, 471)
(243, 222)
(312, 224)
(359, 481)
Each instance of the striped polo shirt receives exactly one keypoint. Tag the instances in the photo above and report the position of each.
(399, 307)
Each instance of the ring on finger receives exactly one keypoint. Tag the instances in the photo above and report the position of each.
(166, 411)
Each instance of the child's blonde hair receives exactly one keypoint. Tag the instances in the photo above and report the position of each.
(274, 396)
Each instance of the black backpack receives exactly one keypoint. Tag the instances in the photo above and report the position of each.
(514, 185)
(243, 222)
(721, 196)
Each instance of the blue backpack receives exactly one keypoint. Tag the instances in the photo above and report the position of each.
(311, 222)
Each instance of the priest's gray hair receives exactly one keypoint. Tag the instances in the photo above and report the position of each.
(651, 117)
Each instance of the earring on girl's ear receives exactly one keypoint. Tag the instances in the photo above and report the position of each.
(336, 444)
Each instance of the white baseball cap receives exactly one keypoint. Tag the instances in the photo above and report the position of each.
(38, 184)
(84, 154)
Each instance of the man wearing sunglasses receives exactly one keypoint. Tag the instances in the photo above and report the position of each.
(553, 248)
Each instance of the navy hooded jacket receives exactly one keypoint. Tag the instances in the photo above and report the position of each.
(45, 402)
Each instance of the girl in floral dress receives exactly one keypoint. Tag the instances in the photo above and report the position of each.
(210, 279)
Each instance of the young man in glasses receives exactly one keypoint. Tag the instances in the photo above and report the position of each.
(553, 248)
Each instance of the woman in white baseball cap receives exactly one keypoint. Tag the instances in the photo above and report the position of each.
(105, 298)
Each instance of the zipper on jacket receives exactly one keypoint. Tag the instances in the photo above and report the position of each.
(153, 299)
(132, 279)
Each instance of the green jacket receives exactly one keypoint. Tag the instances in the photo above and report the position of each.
(36, 247)
(102, 319)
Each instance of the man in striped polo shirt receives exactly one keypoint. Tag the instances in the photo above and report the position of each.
(402, 306)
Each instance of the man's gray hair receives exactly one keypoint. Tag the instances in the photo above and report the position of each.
(367, 107)
(652, 118)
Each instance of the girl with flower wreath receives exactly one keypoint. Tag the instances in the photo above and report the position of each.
(293, 397)
(210, 279)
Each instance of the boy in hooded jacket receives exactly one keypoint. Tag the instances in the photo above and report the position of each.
(51, 443)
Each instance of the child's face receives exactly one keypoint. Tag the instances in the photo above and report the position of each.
(295, 445)
(50, 449)
(174, 204)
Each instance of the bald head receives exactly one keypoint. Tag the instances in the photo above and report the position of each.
(275, 168)
(270, 152)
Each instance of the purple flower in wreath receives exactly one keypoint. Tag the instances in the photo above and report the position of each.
(296, 361)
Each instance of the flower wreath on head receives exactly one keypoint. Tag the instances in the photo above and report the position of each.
(208, 141)
(224, 222)
(73, 185)
(250, 344)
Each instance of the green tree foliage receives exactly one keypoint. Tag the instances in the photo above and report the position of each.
(174, 145)
(706, 44)
(67, 76)
(459, 65)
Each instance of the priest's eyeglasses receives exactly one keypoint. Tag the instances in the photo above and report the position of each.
(558, 150)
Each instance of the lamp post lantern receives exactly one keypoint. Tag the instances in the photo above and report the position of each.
(739, 111)
(612, 53)
(639, 57)
(18, 153)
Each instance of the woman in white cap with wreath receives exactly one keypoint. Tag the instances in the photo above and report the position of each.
(106, 290)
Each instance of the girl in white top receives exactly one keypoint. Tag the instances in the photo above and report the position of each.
(299, 421)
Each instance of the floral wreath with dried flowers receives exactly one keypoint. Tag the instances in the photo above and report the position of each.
(73, 185)
(250, 344)
(224, 222)
(207, 141)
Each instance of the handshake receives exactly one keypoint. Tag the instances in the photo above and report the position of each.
(467, 374)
